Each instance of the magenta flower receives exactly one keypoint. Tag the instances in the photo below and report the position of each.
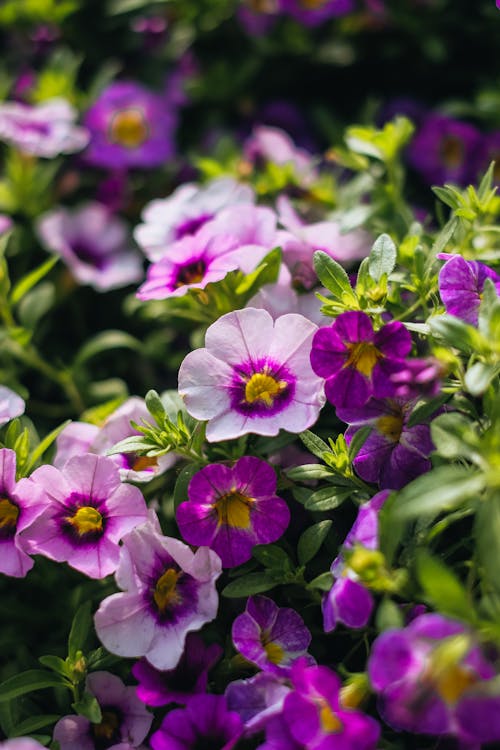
(94, 244)
(168, 592)
(394, 453)
(271, 637)
(6, 224)
(231, 509)
(185, 211)
(429, 676)
(11, 405)
(20, 505)
(177, 685)
(21, 743)
(315, 717)
(356, 361)
(419, 378)
(46, 130)
(125, 721)
(348, 601)
(257, 700)
(88, 511)
(249, 378)
(205, 723)
(316, 12)
(461, 284)
(130, 126)
(269, 144)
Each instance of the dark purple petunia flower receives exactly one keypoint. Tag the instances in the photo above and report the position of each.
(461, 283)
(204, 724)
(316, 12)
(445, 150)
(419, 378)
(357, 361)
(394, 453)
(257, 700)
(157, 688)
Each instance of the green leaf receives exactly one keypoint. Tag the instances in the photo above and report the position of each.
(358, 440)
(36, 304)
(382, 258)
(454, 436)
(458, 334)
(56, 664)
(266, 273)
(103, 342)
(334, 278)
(182, 483)
(43, 446)
(30, 725)
(80, 628)
(27, 682)
(155, 406)
(323, 582)
(253, 583)
(327, 498)
(272, 556)
(388, 616)
(442, 589)
(308, 472)
(442, 489)
(479, 376)
(24, 285)
(311, 540)
(314, 444)
(89, 707)
(425, 410)
(487, 533)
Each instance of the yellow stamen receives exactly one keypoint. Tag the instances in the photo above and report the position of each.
(107, 727)
(329, 721)
(275, 653)
(391, 426)
(452, 682)
(165, 593)
(86, 520)
(312, 4)
(263, 387)
(144, 462)
(452, 151)
(128, 128)
(233, 509)
(363, 356)
(9, 513)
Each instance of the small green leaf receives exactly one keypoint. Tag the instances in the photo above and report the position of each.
(327, 498)
(454, 435)
(80, 629)
(308, 472)
(103, 342)
(253, 583)
(458, 334)
(425, 410)
(388, 616)
(43, 446)
(182, 483)
(311, 540)
(27, 682)
(487, 533)
(89, 707)
(358, 440)
(382, 258)
(24, 285)
(334, 278)
(323, 582)
(266, 273)
(56, 664)
(155, 406)
(443, 590)
(30, 725)
(314, 444)
(272, 556)
(479, 376)
(442, 489)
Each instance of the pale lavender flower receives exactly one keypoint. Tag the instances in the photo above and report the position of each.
(11, 405)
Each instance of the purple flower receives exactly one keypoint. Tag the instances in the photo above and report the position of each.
(185, 211)
(316, 12)
(88, 510)
(268, 144)
(349, 601)
(258, 16)
(250, 378)
(20, 505)
(94, 244)
(419, 378)
(11, 405)
(130, 126)
(21, 743)
(257, 700)
(315, 717)
(231, 510)
(394, 453)
(278, 736)
(461, 284)
(271, 637)
(445, 150)
(125, 721)
(356, 361)
(429, 674)
(6, 224)
(177, 685)
(168, 592)
(204, 723)
(46, 130)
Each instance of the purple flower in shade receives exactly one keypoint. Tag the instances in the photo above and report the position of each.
(94, 245)
(20, 505)
(268, 144)
(490, 151)
(21, 743)
(46, 130)
(257, 700)
(88, 510)
(271, 637)
(125, 721)
(11, 405)
(429, 674)
(191, 263)
(461, 284)
(168, 592)
(177, 685)
(356, 361)
(130, 126)
(394, 453)
(82, 437)
(348, 601)
(204, 724)
(250, 378)
(185, 211)
(278, 736)
(315, 717)
(419, 378)
(316, 12)
(231, 510)
(258, 16)
(445, 150)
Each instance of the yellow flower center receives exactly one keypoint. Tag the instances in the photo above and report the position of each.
(86, 520)
(144, 462)
(9, 513)
(329, 720)
(165, 593)
(107, 729)
(363, 356)
(263, 387)
(191, 274)
(452, 151)
(129, 128)
(233, 509)
(275, 653)
(312, 4)
(391, 426)
(453, 681)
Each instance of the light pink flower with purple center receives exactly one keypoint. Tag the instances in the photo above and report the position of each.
(271, 637)
(88, 511)
(254, 375)
(46, 130)
(20, 506)
(183, 213)
(231, 509)
(94, 244)
(461, 283)
(168, 592)
(11, 405)
(21, 743)
(357, 361)
(125, 721)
